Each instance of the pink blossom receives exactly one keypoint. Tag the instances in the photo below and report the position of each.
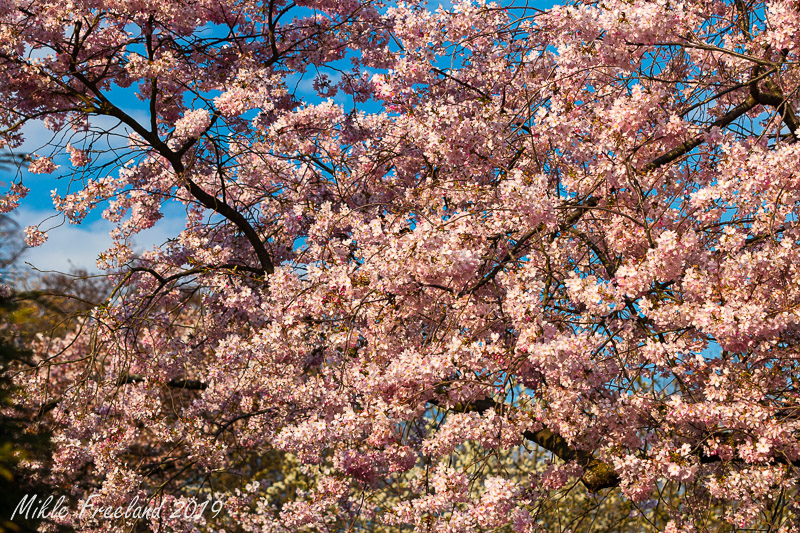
(10, 201)
(34, 236)
(78, 158)
(42, 165)
(191, 125)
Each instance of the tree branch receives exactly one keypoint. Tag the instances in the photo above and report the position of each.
(513, 252)
(596, 474)
(688, 146)
(186, 384)
(208, 200)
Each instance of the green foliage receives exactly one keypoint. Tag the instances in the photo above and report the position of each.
(19, 441)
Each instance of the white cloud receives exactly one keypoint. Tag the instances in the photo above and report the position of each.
(77, 246)
(67, 246)
(108, 132)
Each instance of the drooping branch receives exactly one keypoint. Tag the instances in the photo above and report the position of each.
(776, 99)
(219, 206)
(129, 379)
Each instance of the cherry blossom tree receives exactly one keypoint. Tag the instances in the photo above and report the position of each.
(506, 263)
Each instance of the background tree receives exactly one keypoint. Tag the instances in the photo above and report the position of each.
(11, 244)
(19, 445)
(21, 442)
(570, 230)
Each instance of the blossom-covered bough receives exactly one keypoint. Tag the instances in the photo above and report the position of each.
(497, 238)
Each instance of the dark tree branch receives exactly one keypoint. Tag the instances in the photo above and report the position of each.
(186, 384)
(688, 146)
(209, 201)
(596, 474)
